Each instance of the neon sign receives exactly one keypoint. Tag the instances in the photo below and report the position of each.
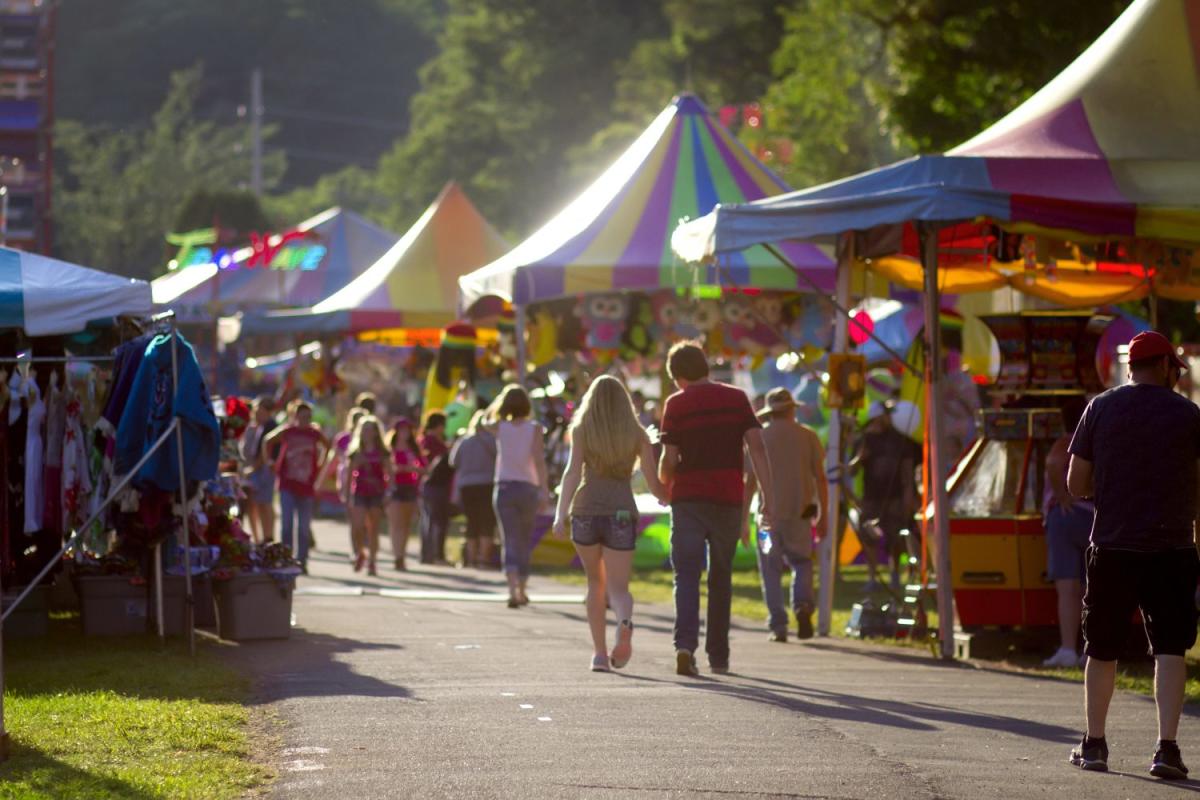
(293, 250)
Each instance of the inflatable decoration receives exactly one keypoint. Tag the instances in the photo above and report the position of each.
(454, 363)
(641, 331)
(603, 317)
(543, 337)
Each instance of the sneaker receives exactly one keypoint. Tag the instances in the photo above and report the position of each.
(1063, 658)
(600, 664)
(1092, 755)
(778, 636)
(623, 651)
(804, 626)
(1168, 763)
(685, 664)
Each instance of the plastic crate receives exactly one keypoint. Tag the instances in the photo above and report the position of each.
(253, 607)
(112, 606)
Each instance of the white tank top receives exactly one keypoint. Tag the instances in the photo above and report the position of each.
(515, 459)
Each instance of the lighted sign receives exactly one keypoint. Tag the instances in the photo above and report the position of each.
(294, 250)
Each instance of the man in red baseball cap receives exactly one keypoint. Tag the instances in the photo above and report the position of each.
(1136, 451)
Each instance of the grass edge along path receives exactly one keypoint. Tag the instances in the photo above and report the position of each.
(124, 718)
(654, 586)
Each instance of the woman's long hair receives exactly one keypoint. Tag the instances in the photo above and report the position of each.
(606, 429)
(356, 444)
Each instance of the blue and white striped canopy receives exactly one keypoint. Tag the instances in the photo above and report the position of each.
(46, 297)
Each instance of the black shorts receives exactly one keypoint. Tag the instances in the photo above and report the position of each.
(405, 493)
(370, 502)
(1161, 584)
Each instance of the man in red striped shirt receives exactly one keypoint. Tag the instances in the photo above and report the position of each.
(705, 427)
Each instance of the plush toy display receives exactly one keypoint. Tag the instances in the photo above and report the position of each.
(674, 318)
(603, 317)
(455, 363)
(709, 322)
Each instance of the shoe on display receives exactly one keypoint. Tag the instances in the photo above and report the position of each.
(685, 664)
(1168, 763)
(1063, 658)
(1092, 755)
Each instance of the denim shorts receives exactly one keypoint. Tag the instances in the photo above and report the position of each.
(1067, 534)
(614, 531)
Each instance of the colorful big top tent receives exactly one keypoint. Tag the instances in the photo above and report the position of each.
(350, 242)
(414, 284)
(47, 297)
(1108, 150)
(616, 235)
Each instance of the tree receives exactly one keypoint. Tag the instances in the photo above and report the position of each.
(352, 188)
(960, 65)
(119, 190)
(516, 84)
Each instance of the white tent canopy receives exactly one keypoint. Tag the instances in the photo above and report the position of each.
(47, 297)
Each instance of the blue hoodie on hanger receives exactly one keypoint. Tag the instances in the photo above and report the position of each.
(149, 410)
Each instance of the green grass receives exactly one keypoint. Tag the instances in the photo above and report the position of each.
(654, 586)
(123, 718)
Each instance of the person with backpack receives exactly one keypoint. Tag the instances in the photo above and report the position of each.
(435, 489)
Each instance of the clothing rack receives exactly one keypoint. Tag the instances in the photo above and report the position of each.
(165, 323)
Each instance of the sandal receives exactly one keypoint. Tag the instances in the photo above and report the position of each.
(371, 569)
(359, 562)
(623, 650)
(600, 664)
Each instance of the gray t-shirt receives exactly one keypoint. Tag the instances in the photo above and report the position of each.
(1143, 442)
(474, 459)
(602, 496)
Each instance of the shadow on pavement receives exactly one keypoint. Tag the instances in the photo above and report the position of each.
(896, 713)
(306, 665)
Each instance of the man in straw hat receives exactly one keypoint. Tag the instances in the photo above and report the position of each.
(797, 462)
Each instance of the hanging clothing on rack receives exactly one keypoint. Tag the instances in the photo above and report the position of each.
(76, 481)
(34, 459)
(148, 412)
(126, 362)
(56, 424)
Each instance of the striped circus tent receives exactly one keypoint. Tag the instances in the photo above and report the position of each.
(616, 234)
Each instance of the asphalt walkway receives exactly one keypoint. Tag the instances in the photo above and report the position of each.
(426, 685)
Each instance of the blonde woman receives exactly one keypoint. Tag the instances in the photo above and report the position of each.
(370, 475)
(521, 484)
(607, 443)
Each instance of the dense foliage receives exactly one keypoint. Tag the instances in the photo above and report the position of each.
(375, 104)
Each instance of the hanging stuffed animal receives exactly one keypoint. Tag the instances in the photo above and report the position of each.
(812, 323)
(745, 331)
(543, 336)
(641, 331)
(674, 319)
(771, 309)
(454, 364)
(603, 318)
(569, 325)
(506, 332)
(709, 321)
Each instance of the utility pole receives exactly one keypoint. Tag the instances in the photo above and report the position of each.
(256, 115)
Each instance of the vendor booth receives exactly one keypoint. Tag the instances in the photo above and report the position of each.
(1084, 194)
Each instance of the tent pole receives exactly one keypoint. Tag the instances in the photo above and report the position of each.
(833, 450)
(4, 744)
(933, 431)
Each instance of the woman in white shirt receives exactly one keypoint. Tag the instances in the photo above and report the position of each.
(521, 484)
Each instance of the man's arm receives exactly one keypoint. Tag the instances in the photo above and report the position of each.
(666, 465)
(751, 484)
(762, 470)
(1079, 478)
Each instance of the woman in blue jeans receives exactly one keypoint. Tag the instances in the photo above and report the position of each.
(607, 443)
(520, 484)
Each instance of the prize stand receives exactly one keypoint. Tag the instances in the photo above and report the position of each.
(997, 538)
